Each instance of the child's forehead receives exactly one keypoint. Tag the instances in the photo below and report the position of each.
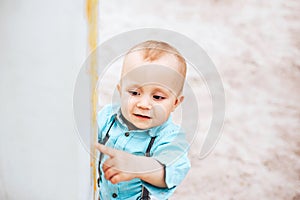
(154, 75)
(135, 59)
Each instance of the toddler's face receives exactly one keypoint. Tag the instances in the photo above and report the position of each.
(149, 93)
(147, 106)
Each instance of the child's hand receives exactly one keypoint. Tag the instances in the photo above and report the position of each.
(123, 166)
(120, 166)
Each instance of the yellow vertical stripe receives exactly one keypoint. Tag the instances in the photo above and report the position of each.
(92, 18)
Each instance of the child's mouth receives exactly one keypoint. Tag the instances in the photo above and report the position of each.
(142, 116)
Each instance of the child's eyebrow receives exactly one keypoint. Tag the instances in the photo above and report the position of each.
(134, 86)
(165, 91)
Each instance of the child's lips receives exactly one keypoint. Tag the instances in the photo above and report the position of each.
(142, 116)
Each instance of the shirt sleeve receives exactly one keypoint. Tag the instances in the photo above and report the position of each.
(172, 153)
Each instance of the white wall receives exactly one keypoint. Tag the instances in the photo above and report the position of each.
(42, 47)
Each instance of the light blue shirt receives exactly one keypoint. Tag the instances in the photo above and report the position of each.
(169, 148)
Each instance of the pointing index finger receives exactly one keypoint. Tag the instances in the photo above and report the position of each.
(106, 150)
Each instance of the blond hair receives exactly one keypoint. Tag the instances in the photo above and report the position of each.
(153, 50)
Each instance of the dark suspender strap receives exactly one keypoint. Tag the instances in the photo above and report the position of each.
(101, 154)
(149, 146)
(107, 132)
(145, 192)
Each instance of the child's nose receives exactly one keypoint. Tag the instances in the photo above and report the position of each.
(144, 103)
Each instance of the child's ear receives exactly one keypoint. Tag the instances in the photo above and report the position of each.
(119, 88)
(178, 101)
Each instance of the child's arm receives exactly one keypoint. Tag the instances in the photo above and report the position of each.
(123, 166)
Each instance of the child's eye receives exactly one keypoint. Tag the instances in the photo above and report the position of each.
(157, 97)
(133, 93)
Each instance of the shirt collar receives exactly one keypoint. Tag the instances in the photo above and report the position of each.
(154, 131)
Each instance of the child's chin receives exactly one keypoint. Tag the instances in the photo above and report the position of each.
(143, 126)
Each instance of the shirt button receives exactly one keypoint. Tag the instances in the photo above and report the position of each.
(127, 134)
(114, 195)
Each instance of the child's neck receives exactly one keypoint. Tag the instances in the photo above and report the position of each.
(129, 125)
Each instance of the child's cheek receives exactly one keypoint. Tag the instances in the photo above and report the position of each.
(126, 100)
(160, 113)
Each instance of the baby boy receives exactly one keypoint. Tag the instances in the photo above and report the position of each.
(143, 153)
